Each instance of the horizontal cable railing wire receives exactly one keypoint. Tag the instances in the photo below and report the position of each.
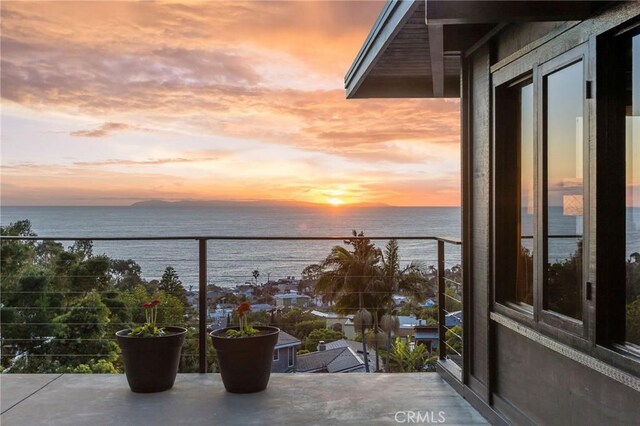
(203, 316)
(452, 349)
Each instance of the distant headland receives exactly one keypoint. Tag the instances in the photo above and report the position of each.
(246, 203)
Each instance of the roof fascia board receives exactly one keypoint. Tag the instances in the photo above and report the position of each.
(447, 12)
(389, 22)
(288, 344)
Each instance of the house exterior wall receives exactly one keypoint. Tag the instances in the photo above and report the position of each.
(536, 385)
(331, 322)
(282, 364)
(300, 302)
(529, 376)
(479, 238)
(349, 331)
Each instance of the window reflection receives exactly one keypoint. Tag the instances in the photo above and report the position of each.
(564, 190)
(633, 194)
(524, 288)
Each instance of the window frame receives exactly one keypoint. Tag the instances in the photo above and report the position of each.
(565, 329)
(291, 361)
(506, 128)
(606, 316)
(580, 328)
(611, 312)
(276, 354)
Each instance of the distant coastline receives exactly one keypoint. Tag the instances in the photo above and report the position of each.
(243, 203)
(160, 203)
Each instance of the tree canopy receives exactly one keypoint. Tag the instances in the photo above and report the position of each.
(60, 307)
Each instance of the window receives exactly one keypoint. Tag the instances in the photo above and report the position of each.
(291, 357)
(566, 228)
(515, 210)
(276, 354)
(563, 190)
(618, 218)
(540, 200)
(524, 279)
(632, 187)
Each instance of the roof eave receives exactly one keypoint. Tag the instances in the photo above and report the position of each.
(389, 22)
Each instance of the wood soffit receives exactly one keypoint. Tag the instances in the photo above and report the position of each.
(415, 47)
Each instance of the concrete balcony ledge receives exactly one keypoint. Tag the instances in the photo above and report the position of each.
(200, 399)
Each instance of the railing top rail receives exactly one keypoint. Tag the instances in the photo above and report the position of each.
(530, 237)
(450, 240)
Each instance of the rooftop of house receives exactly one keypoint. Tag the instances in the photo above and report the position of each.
(285, 340)
(430, 302)
(345, 343)
(245, 286)
(330, 315)
(408, 321)
(261, 307)
(338, 360)
(453, 319)
(291, 296)
(426, 333)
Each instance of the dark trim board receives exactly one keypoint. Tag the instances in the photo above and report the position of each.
(474, 12)
(516, 416)
(449, 377)
(483, 408)
(404, 87)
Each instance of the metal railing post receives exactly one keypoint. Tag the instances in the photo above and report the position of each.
(442, 349)
(202, 306)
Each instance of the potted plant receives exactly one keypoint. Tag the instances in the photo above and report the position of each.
(151, 355)
(245, 354)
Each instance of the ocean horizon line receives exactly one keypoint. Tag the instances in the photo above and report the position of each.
(309, 205)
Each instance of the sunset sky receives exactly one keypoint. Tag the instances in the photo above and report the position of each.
(113, 103)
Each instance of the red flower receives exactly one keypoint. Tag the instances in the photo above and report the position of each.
(151, 304)
(244, 307)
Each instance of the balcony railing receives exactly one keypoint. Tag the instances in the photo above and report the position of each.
(212, 269)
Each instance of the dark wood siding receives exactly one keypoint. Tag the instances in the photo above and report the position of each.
(516, 36)
(480, 124)
(550, 389)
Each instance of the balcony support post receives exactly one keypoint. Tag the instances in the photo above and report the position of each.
(442, 348)
(202, 306)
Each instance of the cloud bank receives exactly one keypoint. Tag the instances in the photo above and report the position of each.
(223, 72)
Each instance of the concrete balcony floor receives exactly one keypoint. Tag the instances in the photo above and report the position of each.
(200, 399)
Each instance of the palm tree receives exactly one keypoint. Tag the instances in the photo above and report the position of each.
(391, 279)
(346, 280)
(364, 277)
(347, 274)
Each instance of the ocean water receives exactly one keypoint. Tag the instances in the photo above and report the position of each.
(232, 262)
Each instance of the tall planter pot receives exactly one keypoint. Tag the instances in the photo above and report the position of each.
(151, 363)
(245, 363)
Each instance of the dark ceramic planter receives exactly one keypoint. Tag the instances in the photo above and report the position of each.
(245, 363)
(151, 363)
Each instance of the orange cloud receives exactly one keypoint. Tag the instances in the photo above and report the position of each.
(104, 130)
(149, 162)
(268, 72)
